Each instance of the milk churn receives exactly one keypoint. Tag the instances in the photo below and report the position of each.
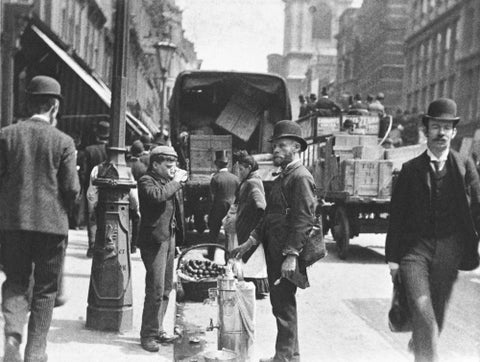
(236, 315)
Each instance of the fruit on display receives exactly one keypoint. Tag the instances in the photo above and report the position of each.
(201, 269)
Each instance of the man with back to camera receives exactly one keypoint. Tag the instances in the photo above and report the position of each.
(288, 219)
(38, 182)
(434, 219)
(223, 186)
(161, 219)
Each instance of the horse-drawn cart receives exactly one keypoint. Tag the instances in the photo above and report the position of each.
(353, 173)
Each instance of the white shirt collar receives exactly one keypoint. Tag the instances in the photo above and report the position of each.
(223, 169)
(40, 117)
(443, 157)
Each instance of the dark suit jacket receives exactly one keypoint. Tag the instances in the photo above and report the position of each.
(293, 189)
(93, 156)
(159, 201)
(38, 177)
(410, 200)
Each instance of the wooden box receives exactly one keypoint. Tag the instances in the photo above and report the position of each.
(348, 140)
(400, 155)
(368, 152)
(202, 152)
(372, 178)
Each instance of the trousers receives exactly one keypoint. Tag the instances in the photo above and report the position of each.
(25, 253)
(428, 272)
(158, 261)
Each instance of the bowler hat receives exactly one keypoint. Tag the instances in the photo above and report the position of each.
(164, 151)
(442, 109)
(103, 129)
(137, 148)
(41, 85)
(289, 129)
(221, 156)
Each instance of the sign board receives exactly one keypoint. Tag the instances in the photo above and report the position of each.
(368, 124)
(327, 125)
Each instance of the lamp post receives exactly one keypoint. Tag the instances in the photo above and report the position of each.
(165, 51)
(110, 292)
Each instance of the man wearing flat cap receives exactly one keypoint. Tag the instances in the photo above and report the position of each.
(288, 219)
(38, 183)
(160, 207)
(433, 230)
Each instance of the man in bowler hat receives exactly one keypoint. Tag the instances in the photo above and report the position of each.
(222, 190)
(38, 183)
(434, 220)
(288, 219)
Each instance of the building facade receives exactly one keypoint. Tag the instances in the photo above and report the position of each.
(308, 62)
(443, 58)
(371, 50)
(72, 40)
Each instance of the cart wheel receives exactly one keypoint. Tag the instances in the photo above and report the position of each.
(341, 231)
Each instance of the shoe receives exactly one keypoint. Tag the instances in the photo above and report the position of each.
(166, 338)
(150, 344)
(90, 253)
(12, 350)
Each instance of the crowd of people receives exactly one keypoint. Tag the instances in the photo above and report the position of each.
(433, 229)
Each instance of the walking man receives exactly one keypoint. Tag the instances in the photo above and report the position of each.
(287, 221)
(434, 219)
(38, 183)
(161, 219)
(222, 190)
(94, 155)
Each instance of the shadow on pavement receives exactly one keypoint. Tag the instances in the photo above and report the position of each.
(67, 331)
(356, 255)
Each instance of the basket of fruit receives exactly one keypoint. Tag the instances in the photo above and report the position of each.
(198, 268)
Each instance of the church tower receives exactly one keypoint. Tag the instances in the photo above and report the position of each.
(309, 45)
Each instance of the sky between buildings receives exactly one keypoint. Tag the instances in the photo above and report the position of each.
(235, 34)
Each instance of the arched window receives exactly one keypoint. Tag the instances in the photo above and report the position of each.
(321, 21)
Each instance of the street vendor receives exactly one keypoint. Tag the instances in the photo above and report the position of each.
(161, 219)
(288, 219)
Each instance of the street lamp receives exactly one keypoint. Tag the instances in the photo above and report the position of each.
(165, 51)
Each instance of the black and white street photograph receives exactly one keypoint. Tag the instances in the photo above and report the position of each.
(240, 180)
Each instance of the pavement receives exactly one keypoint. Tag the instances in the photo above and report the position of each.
(342, 317)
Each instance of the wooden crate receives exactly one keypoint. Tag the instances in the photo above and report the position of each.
(343, 139)
(368, 152)
(400, 155)
(372, 178)
(202, 152)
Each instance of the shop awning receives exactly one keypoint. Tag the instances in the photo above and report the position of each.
(95, 83)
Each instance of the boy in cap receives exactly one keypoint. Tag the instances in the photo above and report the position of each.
(160, 207)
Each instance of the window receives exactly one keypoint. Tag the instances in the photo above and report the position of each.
(321, 21)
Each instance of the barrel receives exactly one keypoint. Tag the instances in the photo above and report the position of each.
(232, 334)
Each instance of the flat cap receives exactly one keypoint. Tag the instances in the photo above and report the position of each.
(164, 150)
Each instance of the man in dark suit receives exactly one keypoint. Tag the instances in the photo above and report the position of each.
(222, 190)
(287, 221)
(161, 221)
(94, 155)
(434, 219)
(38, 183)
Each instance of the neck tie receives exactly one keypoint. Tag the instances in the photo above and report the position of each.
(436, 164)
